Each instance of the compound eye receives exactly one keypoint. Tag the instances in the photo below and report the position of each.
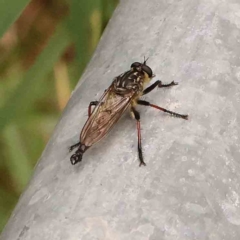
(136, 64)
(148, 70)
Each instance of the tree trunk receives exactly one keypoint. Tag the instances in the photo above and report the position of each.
(190, 186)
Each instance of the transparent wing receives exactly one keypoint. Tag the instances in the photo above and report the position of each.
(110, 108)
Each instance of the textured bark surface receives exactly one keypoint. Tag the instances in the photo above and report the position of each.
(190, 186)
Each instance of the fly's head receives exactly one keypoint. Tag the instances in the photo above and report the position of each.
(142, 68)
(134, 79)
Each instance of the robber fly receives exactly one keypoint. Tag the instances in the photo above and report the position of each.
(124, 93)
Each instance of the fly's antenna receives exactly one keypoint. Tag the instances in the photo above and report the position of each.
(145, 60)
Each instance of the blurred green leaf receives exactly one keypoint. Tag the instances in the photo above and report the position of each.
(80, 27)
(7, 202)
(35, 132)
(10, 81)
(26, 92)
(10, 10)
(16, 151)
(107, 9)
(28, 103)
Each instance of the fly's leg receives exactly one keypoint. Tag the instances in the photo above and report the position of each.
(76, 157)
(93, 103)
(167, 85)
(145, 103)
(140, 154)
(74, 146)
(159, 84)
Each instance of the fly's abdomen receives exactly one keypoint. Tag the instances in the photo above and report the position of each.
(103, 118)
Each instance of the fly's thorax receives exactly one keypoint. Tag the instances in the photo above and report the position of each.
(128, 82)
(146, 79)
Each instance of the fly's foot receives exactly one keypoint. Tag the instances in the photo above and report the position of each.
(173, 83)
(74, 146)
(70, 148)
(180, 116)
(160, 85)
(75, 158)
(142, 163)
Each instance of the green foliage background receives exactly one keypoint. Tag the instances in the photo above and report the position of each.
(44, 47)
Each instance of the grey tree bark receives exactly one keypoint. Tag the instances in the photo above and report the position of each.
(190, 186)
